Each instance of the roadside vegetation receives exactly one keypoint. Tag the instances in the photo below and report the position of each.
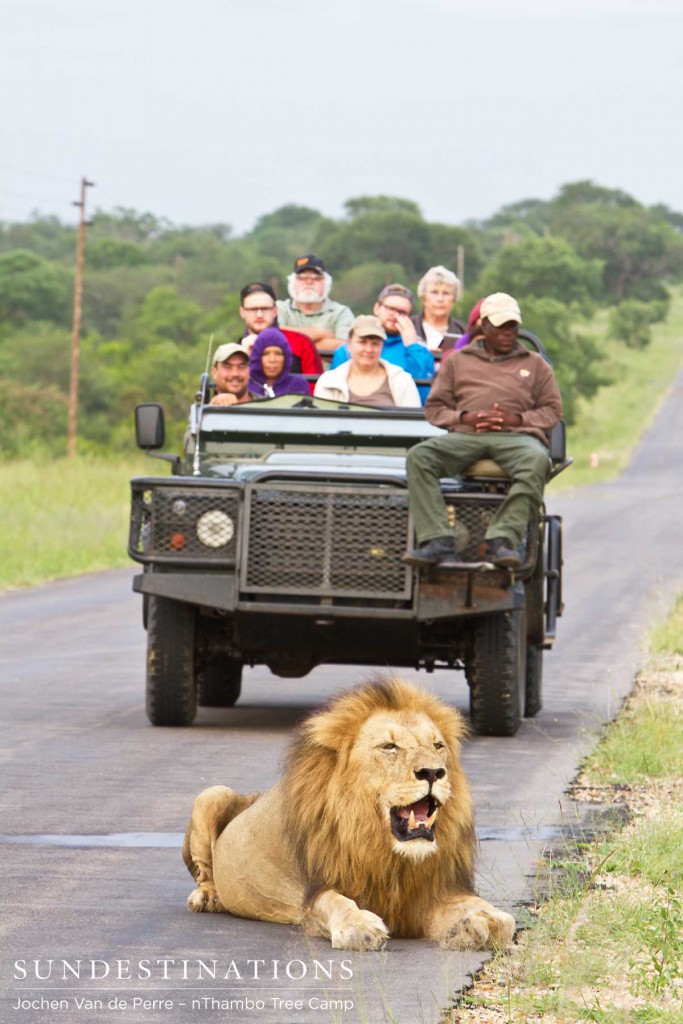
(607, 943)
(598, 276)
(61, 518)
(609, 424)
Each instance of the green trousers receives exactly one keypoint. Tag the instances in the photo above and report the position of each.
(522, 456)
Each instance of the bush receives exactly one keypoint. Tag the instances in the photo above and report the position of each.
(360, 286)
(632, 320)
(576, 359)
(544, 267)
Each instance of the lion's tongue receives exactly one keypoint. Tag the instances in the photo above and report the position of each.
(419, 809)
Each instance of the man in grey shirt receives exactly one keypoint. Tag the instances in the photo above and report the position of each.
(309, 308)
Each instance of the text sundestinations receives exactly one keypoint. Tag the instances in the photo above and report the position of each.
(172, 968)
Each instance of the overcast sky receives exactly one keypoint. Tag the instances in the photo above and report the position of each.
(222, 110)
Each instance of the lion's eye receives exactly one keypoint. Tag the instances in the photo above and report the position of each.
(439, 745)
(389, 747)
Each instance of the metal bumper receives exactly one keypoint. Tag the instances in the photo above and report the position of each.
(448, 596)
(208, 590)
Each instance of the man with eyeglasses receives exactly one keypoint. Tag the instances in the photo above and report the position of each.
(402, 346)
(258, 310)
(309, 308)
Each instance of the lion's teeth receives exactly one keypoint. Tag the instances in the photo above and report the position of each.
(430, 821)
(411, 821)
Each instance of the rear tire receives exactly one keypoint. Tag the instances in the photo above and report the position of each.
(219, 683)
(171, 685)
(533, 701)
(496, 671)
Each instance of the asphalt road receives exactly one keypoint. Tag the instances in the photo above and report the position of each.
(94, 799)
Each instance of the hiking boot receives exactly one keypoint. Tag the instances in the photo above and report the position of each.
(435, 551)
(502, 552)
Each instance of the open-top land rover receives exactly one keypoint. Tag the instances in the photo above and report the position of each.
(278, 540)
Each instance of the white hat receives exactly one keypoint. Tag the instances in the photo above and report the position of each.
(499, 309)
(231, 348)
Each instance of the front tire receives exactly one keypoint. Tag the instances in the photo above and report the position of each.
(171, 684)
(496, 670)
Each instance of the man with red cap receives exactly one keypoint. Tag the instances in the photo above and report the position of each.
(499, 401)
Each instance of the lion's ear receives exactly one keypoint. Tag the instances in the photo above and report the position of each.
(325, 732)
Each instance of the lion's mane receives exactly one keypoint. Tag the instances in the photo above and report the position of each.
(334, 826)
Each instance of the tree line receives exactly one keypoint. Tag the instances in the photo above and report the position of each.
(156, 292)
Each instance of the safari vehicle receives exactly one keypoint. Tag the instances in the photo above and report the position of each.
(278, 538)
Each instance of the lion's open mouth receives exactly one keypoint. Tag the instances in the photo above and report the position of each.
(415, 821)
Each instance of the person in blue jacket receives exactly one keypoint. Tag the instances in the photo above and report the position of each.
(402, 347)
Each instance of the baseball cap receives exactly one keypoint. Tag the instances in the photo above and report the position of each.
(224, 352)
(256, 286)
(368, 327)
(309, 262)
(500, 308)
(396, 289)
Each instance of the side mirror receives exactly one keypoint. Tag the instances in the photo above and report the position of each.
(150, 431)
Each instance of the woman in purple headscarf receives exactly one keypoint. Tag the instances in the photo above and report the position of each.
(270, 365)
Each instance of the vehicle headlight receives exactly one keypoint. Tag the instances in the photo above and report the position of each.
(215, 528)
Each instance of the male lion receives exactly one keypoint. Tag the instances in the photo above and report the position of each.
(368, 834)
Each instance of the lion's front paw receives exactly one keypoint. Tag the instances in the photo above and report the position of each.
(361, 930)
(479, 927)
(205, 900)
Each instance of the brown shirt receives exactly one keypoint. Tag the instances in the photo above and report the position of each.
(472, 380)
(380, 396)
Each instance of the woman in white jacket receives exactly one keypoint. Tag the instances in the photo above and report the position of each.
(365, 378)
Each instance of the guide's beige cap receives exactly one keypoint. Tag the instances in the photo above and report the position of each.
(500, 308)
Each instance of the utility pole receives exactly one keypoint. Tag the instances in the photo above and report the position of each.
(461, 266)
(78, 304)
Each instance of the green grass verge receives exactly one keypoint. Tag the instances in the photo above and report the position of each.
(608, 942)
(643, 744)
(609, 425)
(65, 517)
(668, 638)
(646, 741)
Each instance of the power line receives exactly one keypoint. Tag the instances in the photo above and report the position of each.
(31, 195)
(37, 174)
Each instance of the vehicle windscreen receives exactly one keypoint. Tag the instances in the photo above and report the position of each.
(312, 423)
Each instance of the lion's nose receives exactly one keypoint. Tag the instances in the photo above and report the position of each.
(430, 774)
